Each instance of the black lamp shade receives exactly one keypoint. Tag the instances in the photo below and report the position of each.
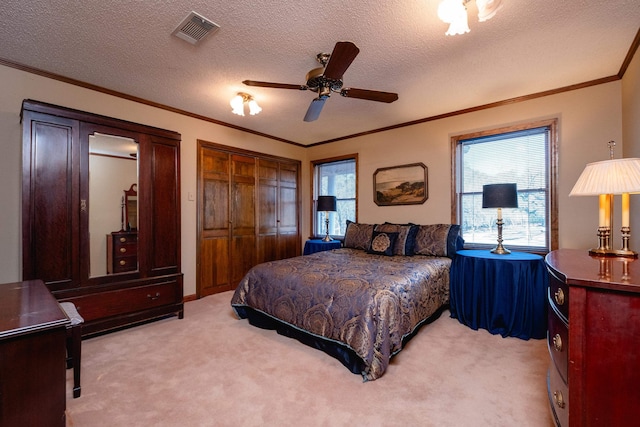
(326, 204)
(499, 196)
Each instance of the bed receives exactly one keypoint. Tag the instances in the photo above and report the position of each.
(360, 303)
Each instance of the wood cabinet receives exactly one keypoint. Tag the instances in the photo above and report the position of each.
(122, 251)
(593, 339)
(32, 356)
(56, 202)
(248, 214)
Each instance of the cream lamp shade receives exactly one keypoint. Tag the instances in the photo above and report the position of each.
(605, 179)
(615, 176)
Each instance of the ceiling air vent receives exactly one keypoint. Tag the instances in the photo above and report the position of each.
(194, 28)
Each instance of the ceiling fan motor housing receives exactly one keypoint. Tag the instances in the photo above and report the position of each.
(317, 82)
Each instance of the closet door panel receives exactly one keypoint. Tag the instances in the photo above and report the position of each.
(214, 222)
(267, 210)
(243, 224)
(51, 204)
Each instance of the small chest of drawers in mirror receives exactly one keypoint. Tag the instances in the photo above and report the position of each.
(122, 252)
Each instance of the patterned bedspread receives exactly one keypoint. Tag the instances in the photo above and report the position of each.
(367, 302)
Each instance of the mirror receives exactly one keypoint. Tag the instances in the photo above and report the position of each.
(113, 168)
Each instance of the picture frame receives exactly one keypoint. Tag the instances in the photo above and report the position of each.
(401, 185)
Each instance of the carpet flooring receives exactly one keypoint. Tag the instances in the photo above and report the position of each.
(212, 369)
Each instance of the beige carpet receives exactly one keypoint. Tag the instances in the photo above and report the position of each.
(211, 369)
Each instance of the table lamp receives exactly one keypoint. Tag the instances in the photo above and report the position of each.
(606, 179)
(500, 196)
(326, 204)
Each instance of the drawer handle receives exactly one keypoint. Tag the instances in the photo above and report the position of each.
(123, 262)
(557, 342)
(123, 239)
(154, 297)
(559, 297)
(557, 396)
(123, 250)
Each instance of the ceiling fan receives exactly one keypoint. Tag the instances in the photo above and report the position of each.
(328, 78)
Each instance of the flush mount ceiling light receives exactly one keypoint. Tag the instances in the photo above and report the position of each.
(454, 13)
(238, 101)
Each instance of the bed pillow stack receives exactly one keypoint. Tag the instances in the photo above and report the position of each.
(358, 236)
(438, 240)
(406, 236)
(408, 240)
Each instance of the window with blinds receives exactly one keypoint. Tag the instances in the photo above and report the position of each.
(521, 157)
(335, 178)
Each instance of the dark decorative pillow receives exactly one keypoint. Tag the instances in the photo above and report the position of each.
(382, 243)
(438, 240)
(358, 236)
(406, 236)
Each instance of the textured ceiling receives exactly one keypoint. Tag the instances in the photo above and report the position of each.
(127, 46)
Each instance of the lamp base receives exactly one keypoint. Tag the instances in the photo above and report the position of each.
(613, 253)
(604, 238)
(327, 238)
(500, 250)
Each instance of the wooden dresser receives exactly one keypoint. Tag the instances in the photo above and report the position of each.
(32, 356)
(593, 339)
(122, 252)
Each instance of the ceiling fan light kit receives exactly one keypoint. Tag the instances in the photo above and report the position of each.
(454, 13)
(237, 104)
(328, 78)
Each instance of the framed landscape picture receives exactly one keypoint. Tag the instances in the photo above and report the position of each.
(400, 185)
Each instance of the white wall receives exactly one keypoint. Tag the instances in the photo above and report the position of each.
(16, 85)
(631, 136)
(588, 118)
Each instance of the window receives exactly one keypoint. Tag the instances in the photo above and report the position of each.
(524, 155)
(335, 177)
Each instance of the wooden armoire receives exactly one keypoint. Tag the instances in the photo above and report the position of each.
(55, 217)
(249, 213)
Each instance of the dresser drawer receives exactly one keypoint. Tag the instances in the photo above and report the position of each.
(128, 300)
(558, 396)
(125, 263)
(125, 248)
(559, 295)
(558, 341)
(120, 239)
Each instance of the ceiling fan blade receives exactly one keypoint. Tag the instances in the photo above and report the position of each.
(313, 112)
(371, 95)
(274, 85)
(342, 56)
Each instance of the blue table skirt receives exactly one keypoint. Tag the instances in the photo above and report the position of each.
(318, 245)
(504, 294)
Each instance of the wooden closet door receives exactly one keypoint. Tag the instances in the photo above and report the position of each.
(214, 222)
(267, 210)
(243, 223)
(248, 213)
(278, 236)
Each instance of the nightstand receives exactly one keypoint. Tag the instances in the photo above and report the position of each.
(318, 245)
(504, 294)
